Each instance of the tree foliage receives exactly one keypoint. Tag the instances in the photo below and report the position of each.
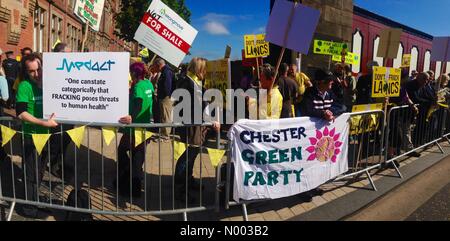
(132, 11)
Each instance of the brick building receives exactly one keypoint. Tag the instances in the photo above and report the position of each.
(38, 24)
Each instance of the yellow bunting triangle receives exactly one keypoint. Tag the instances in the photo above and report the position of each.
(77, 135)
(39, 141)
(140, 136)
(108, 134)
(7, 134)
(178, 149)
(215, 156)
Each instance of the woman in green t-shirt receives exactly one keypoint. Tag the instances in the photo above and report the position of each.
(141, 104)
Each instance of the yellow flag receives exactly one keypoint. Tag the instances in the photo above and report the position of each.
(39, 141)
(7, 134)
(141, 135)
(215, 156)
(77, 135)
(108, 134)
(178, 149)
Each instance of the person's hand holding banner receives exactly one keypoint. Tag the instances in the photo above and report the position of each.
(51, 122)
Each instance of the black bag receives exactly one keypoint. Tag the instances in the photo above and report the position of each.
(83, 201)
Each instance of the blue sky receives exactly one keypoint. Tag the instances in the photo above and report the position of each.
(222, 22)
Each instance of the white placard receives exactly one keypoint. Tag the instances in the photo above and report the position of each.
(165, 33)
(90, 12)
(281, 158)
(88, 87)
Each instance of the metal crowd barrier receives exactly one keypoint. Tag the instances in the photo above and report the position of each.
(94, 166)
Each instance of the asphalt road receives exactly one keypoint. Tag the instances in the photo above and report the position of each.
(435, 209)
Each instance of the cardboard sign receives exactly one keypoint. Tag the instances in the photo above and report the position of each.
(292, 26)
(406, 61)
(228, 52)
(441, 49)
(329, 48)
(218, 76)
(386, 82)
(389, 43)
(90, 12)
(250, 62)
(87, 87)
(165, 33)
(255, 46)
(350, 58)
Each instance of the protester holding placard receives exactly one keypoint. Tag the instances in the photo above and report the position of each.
(141, 103)
(271, 105)
(194, 136)
(29, 110)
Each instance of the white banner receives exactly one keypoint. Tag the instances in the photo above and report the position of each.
(165, 33)
(281, 158)
(90, 12)
(90, 87)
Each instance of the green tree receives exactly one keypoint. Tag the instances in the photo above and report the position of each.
(132, 11)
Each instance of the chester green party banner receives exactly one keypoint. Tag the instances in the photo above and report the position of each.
(281, 158)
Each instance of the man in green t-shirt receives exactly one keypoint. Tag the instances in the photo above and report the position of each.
(141, 104)
(29, 110)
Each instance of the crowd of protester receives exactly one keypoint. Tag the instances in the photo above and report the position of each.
(326, 94)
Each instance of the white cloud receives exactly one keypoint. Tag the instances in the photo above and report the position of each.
(259, 30)
(216, 28)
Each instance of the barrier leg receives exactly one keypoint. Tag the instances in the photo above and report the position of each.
(371, 181)
(244, 212)
(447, 139)
(396, 169)
(13, 206)
(440, 147)
(217, 192)
(185, 216)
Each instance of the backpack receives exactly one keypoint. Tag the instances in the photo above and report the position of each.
(83, 201)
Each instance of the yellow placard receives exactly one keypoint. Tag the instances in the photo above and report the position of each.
(255, 46)
(386, 82)
(406, 61)
(350, 58)
(362, 124)
(218, 76)
(361, 108)
(329, 48)
(144, 53)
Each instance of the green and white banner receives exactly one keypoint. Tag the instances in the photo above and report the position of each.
(281, 158)
(90, 12)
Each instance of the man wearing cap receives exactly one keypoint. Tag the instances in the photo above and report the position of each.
(319, 100)
(11, 67)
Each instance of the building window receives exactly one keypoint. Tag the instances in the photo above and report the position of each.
(56, 29)
(398, 60)
(39, 30)
(414, 59)
(357, 49)
(437, 71)
(376, 42)
(73, 37)
(427, 61)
